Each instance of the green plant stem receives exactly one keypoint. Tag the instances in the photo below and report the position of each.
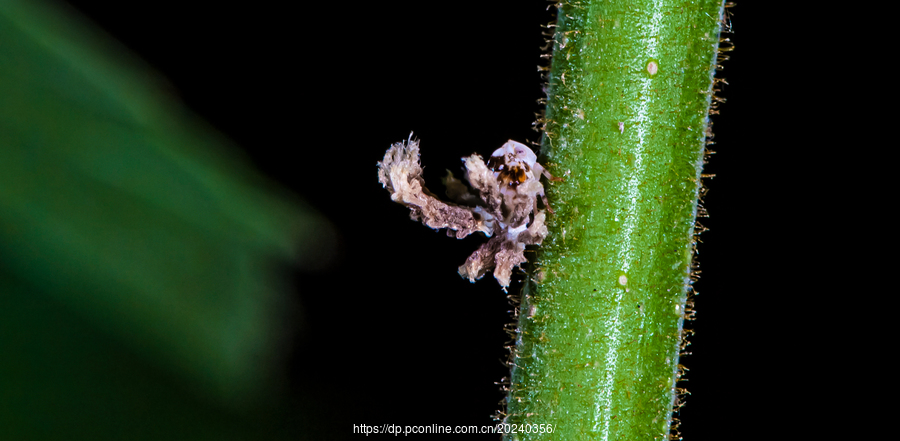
(600, 324)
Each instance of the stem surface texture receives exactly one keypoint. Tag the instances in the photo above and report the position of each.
(600, 322)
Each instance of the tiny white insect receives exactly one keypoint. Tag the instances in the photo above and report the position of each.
(502, 203)
(515, 165)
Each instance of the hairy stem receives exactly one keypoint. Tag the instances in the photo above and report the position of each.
(600, 324)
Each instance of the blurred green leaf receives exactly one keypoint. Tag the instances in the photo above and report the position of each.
(124, 216)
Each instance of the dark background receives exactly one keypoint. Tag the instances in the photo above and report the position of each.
(389, 333)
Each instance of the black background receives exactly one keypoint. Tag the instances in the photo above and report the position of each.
(389, 333)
